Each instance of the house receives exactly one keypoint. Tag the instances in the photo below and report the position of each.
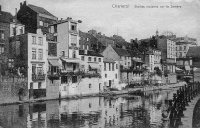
(28, 52)
(129, 64)
(91, 65)
(35, 17)
(193, 53)
(66, 33)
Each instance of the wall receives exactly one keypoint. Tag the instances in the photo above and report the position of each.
(10, 88)
(63, 38)
(52, 88)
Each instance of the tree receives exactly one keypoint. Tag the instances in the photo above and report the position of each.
(158, 71)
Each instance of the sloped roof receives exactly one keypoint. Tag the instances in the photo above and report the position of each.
(193, 52)
(121, 52)
(5, 17)
(40, 10)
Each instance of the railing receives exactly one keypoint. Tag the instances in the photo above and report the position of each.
(180, 100)
(38, 77)
(53, 75)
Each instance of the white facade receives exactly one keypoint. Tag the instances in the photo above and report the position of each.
(171, 49)
(16, 29)
(111, 74)
(37, 60)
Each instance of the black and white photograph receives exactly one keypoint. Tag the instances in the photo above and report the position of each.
(99, 63)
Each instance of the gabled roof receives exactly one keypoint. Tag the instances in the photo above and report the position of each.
(6, 17)
(121, 52)
(40, 10)
(193, 52)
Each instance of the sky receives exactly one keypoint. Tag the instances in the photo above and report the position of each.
(130, 22)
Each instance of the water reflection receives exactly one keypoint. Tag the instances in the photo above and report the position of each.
(97, 112)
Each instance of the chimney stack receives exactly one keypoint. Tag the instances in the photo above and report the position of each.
(15, 11)
(24, 2)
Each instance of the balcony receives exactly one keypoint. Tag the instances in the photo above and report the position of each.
(73, 32)
(53, 75)
(38, 77)
(131, 69)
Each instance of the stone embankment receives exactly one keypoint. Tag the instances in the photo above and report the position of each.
(136, 90)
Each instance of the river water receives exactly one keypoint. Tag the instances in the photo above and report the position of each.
(96, 112)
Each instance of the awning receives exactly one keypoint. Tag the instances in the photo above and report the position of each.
(71, 60)
(178, 69)
(54, 62)
(187, 67)
(138, 60)
(94, 66)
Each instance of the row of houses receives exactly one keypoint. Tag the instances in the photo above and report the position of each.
(59, 60)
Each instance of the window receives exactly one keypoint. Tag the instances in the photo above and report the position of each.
(74, 79)
(14, 30)
(128, 63)
(82, 58)
(184, 47)
(90, 85)
(1, 49)
(109, 67)
(116, 66)
(40, 69)
(63, 53)
(39, 85)
(33, 40)
(73, 27)
(41, 23)
(34, 53)
(115, 76)
(40, 54)
(113, 66)
(104, 66)
(64, 79)
(21, 30)
(87, 47)
(87, 39)
(95, 59)
(46, 24)
(2, 36)
(40, 39)
(55, 28)
(89, 58)
(73, 40)
(105, 75)
(31, 85)
(74, 54)
(99, 59)
(33, 69)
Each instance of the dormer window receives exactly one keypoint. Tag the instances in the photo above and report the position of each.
(73, 27)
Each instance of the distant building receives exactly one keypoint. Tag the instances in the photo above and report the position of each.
(28, 52)
(183, 44)
(168, 57)
(194, 53)
(34, 17)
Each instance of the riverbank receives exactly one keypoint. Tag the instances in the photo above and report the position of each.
(136, 90)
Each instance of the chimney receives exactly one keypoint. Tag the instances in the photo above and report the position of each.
(136, 40)
(24, 2)
(16, 11)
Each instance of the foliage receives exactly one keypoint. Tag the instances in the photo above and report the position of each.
(158, 71)
(187, 79)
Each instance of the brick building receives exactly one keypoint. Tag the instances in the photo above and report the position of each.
(34, 17)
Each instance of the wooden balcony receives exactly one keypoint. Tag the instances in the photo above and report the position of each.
(53, 75)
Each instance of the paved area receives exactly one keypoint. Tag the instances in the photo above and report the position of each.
(187, 120)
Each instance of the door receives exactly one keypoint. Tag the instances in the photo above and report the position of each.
(110, 82)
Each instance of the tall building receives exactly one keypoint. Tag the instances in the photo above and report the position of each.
(28, 52)
(34, 17)
(168, 57)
